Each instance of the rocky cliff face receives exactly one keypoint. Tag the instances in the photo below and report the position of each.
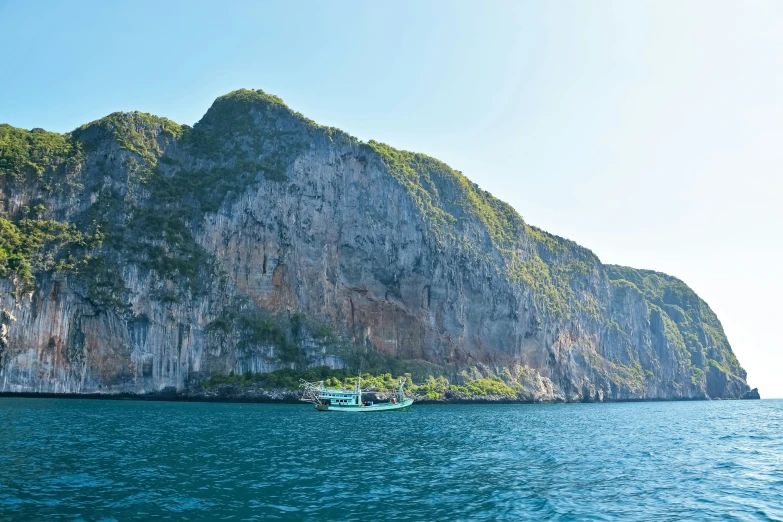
(137, 254)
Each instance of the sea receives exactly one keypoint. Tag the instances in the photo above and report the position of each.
(107, 460)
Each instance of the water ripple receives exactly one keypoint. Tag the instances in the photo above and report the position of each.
(107, 460)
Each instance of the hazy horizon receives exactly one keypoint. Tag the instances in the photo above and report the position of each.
(646, 132)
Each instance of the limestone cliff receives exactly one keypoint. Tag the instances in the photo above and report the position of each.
(137, 254)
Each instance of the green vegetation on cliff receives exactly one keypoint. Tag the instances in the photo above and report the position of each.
(689, 323)
(249, 134)
(552, 267)
(137, 132)
(36, 154)
(33, 244)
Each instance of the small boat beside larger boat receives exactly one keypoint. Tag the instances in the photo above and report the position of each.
(344, 399)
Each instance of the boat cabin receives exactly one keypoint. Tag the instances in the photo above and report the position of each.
(337, 397)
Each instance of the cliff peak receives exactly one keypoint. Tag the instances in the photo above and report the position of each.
(240, 111)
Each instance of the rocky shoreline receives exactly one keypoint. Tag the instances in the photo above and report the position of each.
(291, 397)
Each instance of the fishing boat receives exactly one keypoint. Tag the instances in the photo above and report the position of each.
(344, 399)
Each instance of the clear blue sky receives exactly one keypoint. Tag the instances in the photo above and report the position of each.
(649, 132)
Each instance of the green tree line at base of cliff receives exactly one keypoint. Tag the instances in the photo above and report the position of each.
(431, 388)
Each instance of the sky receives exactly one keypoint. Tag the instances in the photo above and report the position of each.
(649, 132)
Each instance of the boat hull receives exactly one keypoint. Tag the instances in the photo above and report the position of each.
(405, 404)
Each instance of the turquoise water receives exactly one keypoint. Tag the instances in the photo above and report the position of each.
(124, 460)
